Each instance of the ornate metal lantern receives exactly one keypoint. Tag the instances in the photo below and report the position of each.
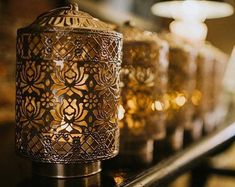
(143, 84)
(67, 92)
(181, 84)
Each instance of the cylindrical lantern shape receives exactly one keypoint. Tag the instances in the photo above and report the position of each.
(181, 83)
(143, 85)
(214, 109)
(67, 92)
(200, 98)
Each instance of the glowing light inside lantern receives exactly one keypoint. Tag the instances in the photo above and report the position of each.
(180, 100)
(196, 97)
(118, 179)
(159, 106)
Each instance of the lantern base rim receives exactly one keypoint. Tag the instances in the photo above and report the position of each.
(55, 170)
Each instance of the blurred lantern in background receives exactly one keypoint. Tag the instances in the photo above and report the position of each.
(211, 66)
(215, 111)
(67, 92)
(181, 84)
(143, 85)
(189, 25)
(200, 98)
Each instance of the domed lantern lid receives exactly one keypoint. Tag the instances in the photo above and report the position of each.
(70, 17)
(65, 32)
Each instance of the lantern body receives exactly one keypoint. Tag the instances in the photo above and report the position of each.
(215, 108)
(200, 98)
(181, 84)
(143, 85)
(67, 88)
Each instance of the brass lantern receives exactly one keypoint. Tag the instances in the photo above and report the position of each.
(181, 84)
(67, 92)
(143, 85)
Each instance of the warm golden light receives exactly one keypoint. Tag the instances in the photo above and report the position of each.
(173, 101)
(143, 79)
(159, 106)
(153, 106)
(67, 84)
(166, 100)
(163, 104)
(196, 97)
(180, 100)
(118, 180)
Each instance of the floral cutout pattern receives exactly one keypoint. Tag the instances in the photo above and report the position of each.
(70, 81)
(31, 78)
(31, 113)
(67, 95)
(70, 116)
(142, 87)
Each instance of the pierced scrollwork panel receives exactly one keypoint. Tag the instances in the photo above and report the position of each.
(67, 95)
(143, 84)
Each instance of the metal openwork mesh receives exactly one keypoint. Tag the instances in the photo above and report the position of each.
(143, 83)
(67, 88)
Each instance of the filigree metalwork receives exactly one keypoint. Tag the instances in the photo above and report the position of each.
(143, 84)
(67, 84)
